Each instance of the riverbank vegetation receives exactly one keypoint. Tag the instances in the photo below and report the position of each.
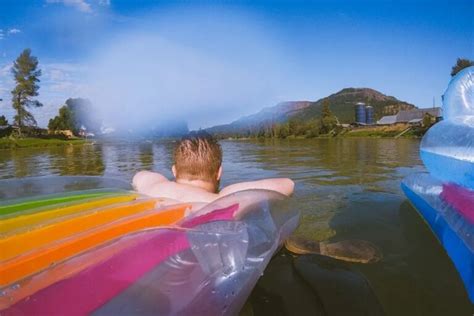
(328, 126)
(28, 142)
(300, 131)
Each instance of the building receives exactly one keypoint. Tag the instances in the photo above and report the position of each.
(414, 116)
(360, 116)
(364, 114)
(369, 115)
(387, 120)
(417, 114)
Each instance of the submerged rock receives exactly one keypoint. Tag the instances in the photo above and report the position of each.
(282, 291)
(341, 289)
(360, 251)
(312, 285)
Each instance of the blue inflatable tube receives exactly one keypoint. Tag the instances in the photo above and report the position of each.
(445, 197)
(454, 232)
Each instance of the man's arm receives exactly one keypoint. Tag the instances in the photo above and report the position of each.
(281, 185)
(143, 180)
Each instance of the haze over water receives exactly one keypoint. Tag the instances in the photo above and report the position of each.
(345, 189)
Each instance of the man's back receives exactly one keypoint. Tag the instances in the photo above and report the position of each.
(197, 169)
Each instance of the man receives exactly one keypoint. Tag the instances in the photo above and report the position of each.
(197, 170)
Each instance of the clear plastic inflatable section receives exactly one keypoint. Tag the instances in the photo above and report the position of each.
(206, 264)
(447, 149)
(458, 99)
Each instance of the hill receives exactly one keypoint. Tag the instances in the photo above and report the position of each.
(341, 104)
(276, 114)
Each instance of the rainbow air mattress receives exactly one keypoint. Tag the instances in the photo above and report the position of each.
(111, 251)
(445, 196)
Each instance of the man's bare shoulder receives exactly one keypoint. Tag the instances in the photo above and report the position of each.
(143, 180)
(156, 185)
(282, 185)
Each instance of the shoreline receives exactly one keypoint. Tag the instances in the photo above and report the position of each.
(33, 142)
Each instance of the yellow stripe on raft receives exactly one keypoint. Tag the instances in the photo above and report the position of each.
(10, 225)
(37, 260)
(21, 243)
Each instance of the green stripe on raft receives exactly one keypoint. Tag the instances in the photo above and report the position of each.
(29, 204)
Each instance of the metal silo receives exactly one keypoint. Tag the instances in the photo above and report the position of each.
(360, 116)
(369, 115)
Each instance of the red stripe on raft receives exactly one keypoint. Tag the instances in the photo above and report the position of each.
(93, 287)
(460, 198)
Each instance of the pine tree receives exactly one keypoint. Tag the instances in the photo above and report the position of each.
(25, 71)
(328, 120)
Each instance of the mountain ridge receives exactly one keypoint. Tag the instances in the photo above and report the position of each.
(341, 104)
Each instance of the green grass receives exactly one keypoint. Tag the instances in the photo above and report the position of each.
(363, 133)
(10, 143)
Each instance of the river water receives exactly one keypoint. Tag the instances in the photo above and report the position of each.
(345, 189)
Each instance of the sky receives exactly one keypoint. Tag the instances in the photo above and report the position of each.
(213, 62)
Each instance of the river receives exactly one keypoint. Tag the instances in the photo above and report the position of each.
(345, 189)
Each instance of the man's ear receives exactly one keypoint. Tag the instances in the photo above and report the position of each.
(219, 173)
(173, 169)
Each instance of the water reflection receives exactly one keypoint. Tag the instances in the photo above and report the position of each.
(77, 160)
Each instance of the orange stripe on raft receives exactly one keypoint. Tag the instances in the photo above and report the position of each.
(11, 225)
(37, 260)
(21, 243)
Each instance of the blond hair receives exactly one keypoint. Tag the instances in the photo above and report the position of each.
(198, 156)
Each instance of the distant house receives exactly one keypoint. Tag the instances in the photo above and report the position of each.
(407, 116)
(66, 133)
(413, 116)
(416, 122)
(387, 120)
(84, 133)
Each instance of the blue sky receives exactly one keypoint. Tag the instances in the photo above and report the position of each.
(241, 56)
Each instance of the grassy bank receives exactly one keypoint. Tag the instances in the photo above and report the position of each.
(10, 143)
(402, 130)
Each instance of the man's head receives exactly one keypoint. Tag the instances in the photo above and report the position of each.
(198, 156)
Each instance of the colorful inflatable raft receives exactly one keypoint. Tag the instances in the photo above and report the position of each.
(445, 196)
(112, 251)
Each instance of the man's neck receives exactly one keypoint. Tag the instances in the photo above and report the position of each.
(205, 185)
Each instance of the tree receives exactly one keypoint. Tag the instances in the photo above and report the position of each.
(427, 120)
(26, 73)
(284, 130)
(461, 63)
(64, 121)
(83, 115)
(3, 120)
(75, 114)
(328, 120)
(313, 129)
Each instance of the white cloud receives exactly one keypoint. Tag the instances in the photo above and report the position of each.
(104, 2)
(80, 5)
(13, 31)
(1, 34)
(5, 70)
